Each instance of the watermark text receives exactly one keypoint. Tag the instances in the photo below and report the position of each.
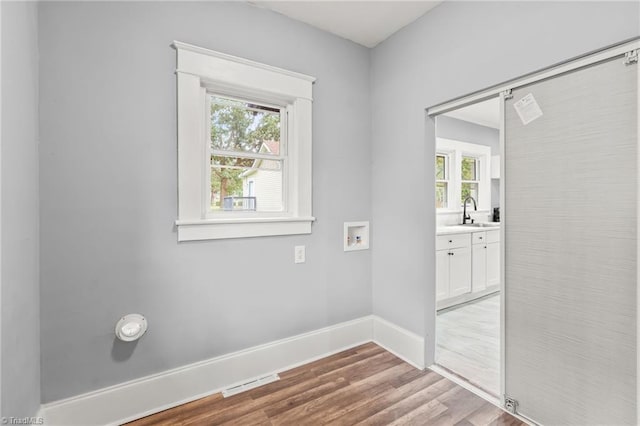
(22, 420)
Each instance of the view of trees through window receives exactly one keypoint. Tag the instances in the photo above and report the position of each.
(242, 134)
(442, 186)
(469, 178)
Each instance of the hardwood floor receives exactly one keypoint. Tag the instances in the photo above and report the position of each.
(468, 342)
(365, 385)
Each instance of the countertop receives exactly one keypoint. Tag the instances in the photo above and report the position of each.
(460, 229)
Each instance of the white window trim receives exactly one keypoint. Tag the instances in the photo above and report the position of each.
(456, 150)
(447, 174)
(200, 70)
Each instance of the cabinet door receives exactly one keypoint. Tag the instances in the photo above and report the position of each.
(459, 271)
(479, 267)
(442, 274)
(493, 264)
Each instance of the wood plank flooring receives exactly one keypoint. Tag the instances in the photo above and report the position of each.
(365, 385)
(468, 342)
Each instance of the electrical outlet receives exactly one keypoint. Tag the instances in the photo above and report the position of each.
(299, 254)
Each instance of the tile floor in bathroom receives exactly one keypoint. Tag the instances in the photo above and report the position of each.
(468, 342)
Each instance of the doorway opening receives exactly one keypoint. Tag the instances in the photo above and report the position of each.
(569, 149)
(468, 300)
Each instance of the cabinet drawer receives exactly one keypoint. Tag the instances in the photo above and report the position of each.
(479, 237)
(444, 242)
(493, 236)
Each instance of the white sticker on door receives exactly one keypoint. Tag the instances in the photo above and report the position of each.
(528, 109)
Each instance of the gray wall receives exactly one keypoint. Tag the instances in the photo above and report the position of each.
(108, 194)
(20, 283)
(108, 174)
(465, 131)
(457, 48)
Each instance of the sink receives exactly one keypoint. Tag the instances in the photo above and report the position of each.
(482, 225)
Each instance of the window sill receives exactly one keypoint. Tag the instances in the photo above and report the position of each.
(216, 229)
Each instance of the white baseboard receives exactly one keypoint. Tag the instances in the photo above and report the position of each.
(402, 343)
(141, 397)
(41, 415)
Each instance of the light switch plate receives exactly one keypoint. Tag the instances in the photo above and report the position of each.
(299, 254)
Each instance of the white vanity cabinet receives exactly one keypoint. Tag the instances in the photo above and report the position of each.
(467, 266)
(453, 265)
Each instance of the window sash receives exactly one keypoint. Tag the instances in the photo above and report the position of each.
(447, 179)
(283, 123)
(445, 170)
(207, 210)
(446, 193)
(212, 212)
(251, 156)
(477, 189)
(476, 168)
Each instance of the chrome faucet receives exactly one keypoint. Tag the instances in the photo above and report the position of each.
(465, 216)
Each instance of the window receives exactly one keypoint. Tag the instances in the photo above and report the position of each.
(244, 147)
(442, 181)
(462, 170)
(469, 178)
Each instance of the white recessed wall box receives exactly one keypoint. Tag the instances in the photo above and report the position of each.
(131, 327)
(356, 236)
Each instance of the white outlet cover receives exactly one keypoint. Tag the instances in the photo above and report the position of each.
(299, 254)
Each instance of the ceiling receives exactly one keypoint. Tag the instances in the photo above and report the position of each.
(364, 22)
(486, 113)
(369, 22)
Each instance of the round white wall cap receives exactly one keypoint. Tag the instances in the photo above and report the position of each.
(131, 327)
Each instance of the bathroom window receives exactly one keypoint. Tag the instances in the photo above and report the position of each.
(244, 147)
(442, 181)
(462, 169)
(469, 178)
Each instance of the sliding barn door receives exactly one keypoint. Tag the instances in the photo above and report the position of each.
(570, 215)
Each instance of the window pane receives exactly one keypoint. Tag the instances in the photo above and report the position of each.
(238, 126)
(441, 195)
(241, 184)
(469, 190)
(441, 164)
(469, 168)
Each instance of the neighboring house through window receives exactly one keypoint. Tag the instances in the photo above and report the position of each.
(246, 142)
